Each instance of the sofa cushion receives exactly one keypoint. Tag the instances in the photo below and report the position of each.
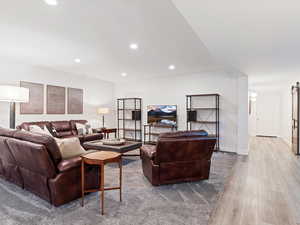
(70, 147)
(61, 125)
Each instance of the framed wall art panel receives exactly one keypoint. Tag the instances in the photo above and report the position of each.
(75, 101)
(56, 100)
(36, 98)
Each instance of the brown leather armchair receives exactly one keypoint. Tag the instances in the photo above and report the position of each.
(33, 162)
(178, 157)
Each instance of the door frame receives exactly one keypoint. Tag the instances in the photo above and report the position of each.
(296, 89)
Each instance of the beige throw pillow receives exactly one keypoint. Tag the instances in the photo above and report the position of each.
(81, 129)
(84, 129)
(70, 147)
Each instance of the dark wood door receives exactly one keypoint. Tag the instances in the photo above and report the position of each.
(295, 118)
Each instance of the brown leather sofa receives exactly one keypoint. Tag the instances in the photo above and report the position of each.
(63, 129)
(178, 157)
(33, 162)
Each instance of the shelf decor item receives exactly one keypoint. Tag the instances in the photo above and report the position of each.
(13, 94)
(129, 113)
(203, 112)
(103, 112)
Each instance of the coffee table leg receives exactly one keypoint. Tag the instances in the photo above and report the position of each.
(82, 183)
(102, 187)
(120, 165)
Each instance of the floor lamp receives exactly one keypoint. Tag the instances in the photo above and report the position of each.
(103, 111)
(13, 94)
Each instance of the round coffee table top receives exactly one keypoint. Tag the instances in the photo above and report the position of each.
(102, 156)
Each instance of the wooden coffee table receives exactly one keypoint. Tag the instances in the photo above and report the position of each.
(128, 146)
(100, 159)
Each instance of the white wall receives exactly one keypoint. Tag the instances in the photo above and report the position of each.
(166, 90)
(96, 93)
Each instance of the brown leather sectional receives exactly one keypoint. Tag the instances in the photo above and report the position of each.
(63, 129)
(33, 162)
(178, 157)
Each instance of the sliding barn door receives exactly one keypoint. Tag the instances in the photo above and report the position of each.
(295, 118)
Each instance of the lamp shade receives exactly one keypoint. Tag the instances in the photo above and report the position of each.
(13, 94)
(103, 111)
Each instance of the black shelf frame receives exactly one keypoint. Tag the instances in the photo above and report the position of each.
(216, 122)
(122, 126)
(149, 133)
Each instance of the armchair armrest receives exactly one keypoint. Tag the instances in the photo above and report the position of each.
(149, 151)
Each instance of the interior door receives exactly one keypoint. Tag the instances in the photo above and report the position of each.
(267, 114)
(295, 119)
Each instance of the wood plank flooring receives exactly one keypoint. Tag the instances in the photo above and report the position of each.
(264, 188)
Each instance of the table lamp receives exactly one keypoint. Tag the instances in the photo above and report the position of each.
(102, 111)
(13, 94)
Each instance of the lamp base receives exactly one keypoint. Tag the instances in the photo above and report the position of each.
(12, 115)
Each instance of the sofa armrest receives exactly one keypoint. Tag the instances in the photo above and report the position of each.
(149, 151)
(68, 164)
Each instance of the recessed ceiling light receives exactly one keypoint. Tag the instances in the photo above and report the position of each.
(77, 60)
(51, 2)
(124, 74)
(134, 46)
(171, 67)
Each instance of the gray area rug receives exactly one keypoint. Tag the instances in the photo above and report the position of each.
(185, 203)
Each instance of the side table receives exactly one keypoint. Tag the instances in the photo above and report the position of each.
(106, 131)
(100, 159)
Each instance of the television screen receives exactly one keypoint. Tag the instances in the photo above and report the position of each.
(162, 114)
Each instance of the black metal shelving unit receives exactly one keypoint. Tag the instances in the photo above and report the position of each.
(148, 132)
(195, 115)
(133, 124)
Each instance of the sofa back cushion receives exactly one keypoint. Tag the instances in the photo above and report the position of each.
(33, 157)
(62, 128)
(184, 149)
(35, 166)
(48, 141)
(8, 165)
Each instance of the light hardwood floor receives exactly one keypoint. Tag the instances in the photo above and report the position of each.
(264, 188)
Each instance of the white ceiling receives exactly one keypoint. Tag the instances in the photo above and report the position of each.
(99, 33)
(258, 37)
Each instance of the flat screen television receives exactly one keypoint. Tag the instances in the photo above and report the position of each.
(162, 114)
